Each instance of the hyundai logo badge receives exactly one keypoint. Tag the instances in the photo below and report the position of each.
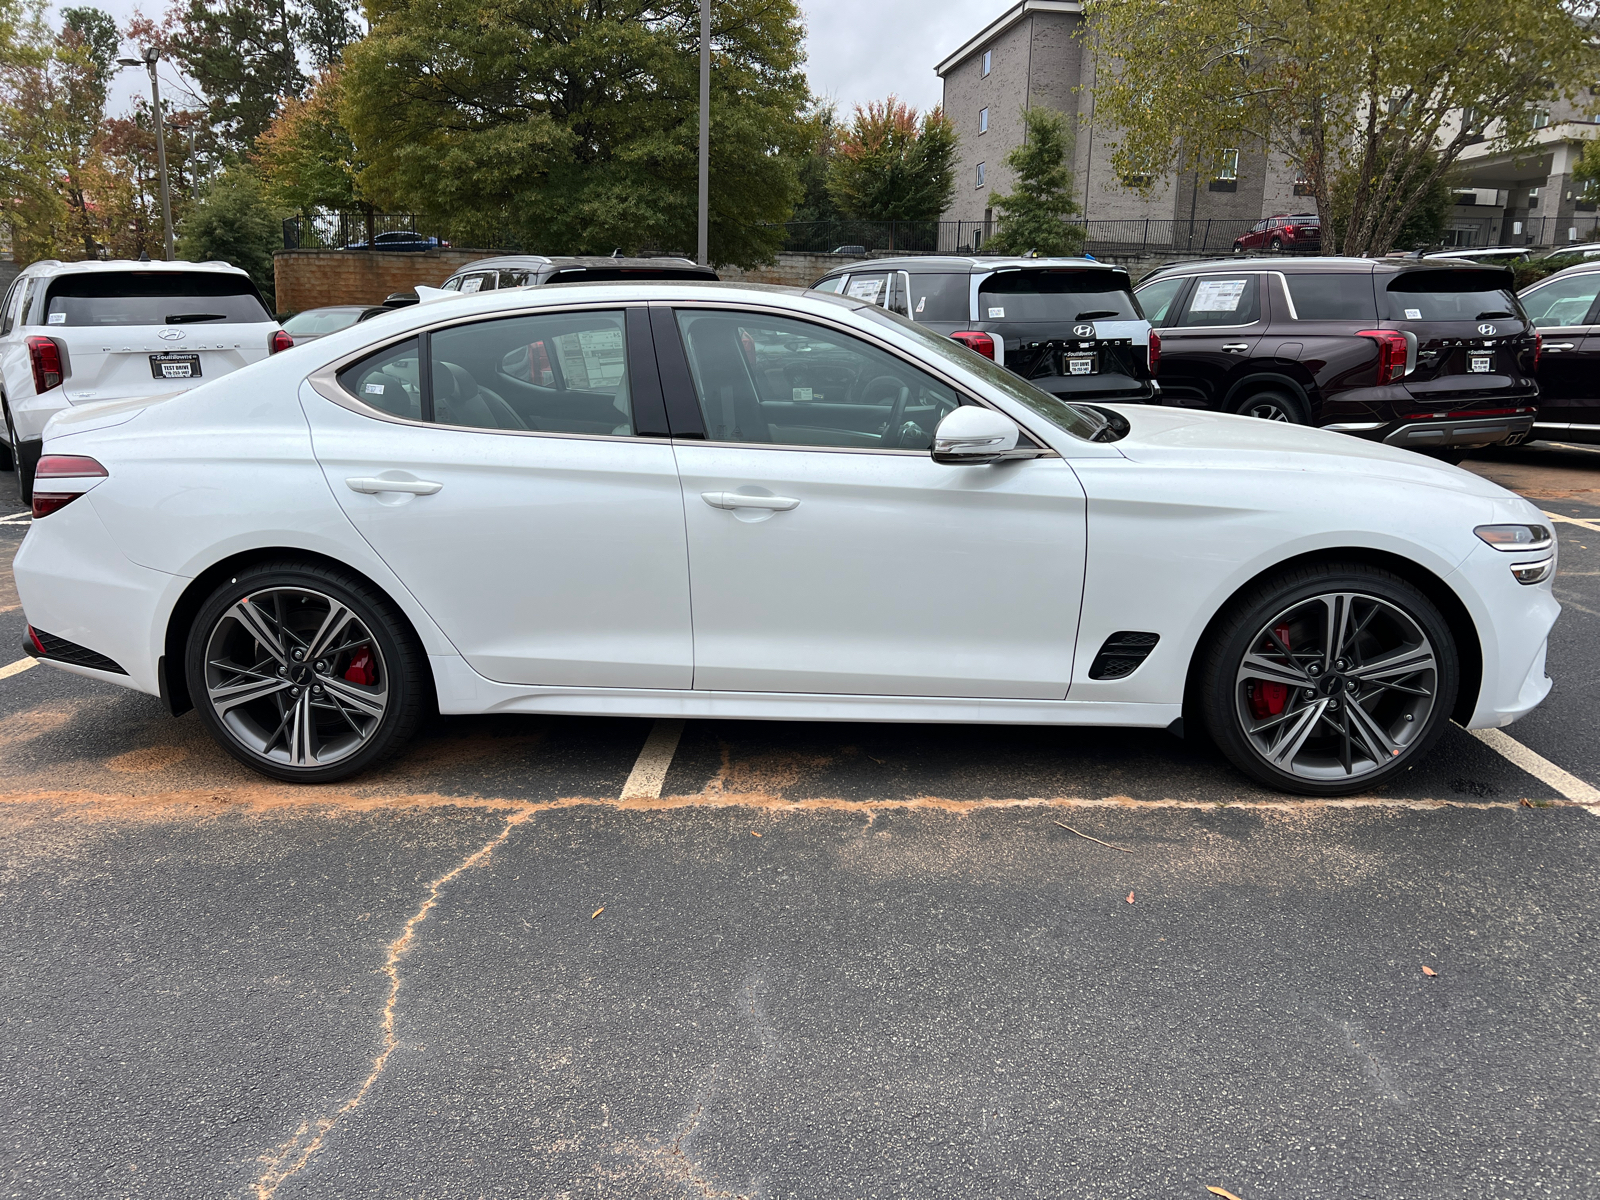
(171, 335)
(1486, 330)
(1083, 331)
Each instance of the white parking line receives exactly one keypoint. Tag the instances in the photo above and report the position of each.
(16, 668)
(20, 518)
(1541, 768)
(1591, 526)
(650, 770)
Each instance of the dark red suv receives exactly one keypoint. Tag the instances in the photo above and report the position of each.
(1414, 352)
(1287, 231)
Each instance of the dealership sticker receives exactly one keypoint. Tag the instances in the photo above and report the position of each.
(922, 304)
(801, 395)
(1413, 314)
(997, 314)
(57, 319)
(373, 389)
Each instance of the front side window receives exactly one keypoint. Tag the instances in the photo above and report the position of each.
(482, 282)
(870, 288)
(1562, 302)
(13, 301)
(1222, 300)
(768, 379)
(1156, 298)
(104, 298)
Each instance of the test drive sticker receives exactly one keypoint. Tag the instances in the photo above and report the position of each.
(373, 389)
(997, 314)
(1413, 314)
(58, 319)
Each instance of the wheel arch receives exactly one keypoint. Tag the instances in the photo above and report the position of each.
(1258, 381)
(170, 672)
(1469, 647)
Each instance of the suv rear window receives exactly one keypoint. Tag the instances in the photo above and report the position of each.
(1451, 296)
(1333, 297)
(154, 298)
(1060, 294)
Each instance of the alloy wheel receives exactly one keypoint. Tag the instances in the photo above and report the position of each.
(1336, 686)
(1267, 410)
(295, 677)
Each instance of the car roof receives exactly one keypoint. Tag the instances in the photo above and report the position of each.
(590, 261)
(51, 266)
(968, 262)
(1303, 264)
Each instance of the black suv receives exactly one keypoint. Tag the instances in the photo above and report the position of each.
(1412, 352)
(1068, 325)
(528, 270)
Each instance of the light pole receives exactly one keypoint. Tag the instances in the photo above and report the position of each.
(705, 133)
(151, 57)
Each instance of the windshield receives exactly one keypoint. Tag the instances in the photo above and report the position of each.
(939, 348)
(319, 321)
(1058, 294)
(155, 298)
(1461, 295)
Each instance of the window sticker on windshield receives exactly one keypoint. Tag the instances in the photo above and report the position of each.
(373, 389)
(800, 395)
(1217, 295)
(997, 314)
(1413, 314)
(865, 289)
(57, 319)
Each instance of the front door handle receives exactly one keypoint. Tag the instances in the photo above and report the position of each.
(740, 500)
(414, 487)
(1236, 346)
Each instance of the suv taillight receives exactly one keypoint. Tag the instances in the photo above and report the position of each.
(59, 479)
(1391, 352)
(973, 340)
(46, 358)
(1153, 355)
(280, 341)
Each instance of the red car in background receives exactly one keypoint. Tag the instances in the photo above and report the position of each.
(1288, 231)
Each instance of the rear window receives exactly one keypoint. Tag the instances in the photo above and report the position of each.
(1451, 296)
(1332, 297)
(942, 297)
(154, 298)
(1057, 295)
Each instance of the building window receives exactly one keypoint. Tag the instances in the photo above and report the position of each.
(983, 120)
(980, 176)
(1541, 118)
(1533, 199)
(988, 60)
(1302, 187)
(1228, 165)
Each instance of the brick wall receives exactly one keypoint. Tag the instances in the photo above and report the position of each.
(790, 270)
(311, 278)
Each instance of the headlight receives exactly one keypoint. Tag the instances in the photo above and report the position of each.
(1516, 539)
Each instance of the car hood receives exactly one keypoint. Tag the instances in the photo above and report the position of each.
(103, 414)
(1222, 440)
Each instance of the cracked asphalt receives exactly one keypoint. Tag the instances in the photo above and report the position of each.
(913, 983)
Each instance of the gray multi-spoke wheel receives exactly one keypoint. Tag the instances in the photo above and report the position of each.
(1273, 406)
(1331, 681)
(304, 674)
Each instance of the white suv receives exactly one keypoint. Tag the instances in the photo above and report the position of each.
(84, 332)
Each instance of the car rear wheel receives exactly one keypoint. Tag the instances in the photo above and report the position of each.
(1273, 406)
(1238, 247)
(304, 672)
(1329, 680)
(1277, 245)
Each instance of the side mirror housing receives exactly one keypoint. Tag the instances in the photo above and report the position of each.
(971, 436)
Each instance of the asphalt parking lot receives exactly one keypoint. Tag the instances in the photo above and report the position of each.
(800, 960)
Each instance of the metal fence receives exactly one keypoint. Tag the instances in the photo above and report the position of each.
(968, 237)
(354, 230)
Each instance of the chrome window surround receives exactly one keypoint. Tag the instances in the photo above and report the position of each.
(325, 380)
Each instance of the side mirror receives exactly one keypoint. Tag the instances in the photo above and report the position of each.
(971, 435)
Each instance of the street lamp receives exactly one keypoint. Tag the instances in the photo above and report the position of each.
(151, 57)
(702, 222)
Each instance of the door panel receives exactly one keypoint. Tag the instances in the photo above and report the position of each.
(1215, 333)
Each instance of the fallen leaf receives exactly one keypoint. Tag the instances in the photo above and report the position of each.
(1224, 1192)
(1526, 803)
(1429, 971)
(597, 912)
(753, 833)
(1130, 897)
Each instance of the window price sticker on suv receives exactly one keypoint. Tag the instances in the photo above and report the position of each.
(175, 366)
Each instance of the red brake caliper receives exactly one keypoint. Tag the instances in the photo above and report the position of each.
(362, 669)
(1267, 698)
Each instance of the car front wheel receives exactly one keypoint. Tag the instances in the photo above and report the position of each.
(304, 672)
(1329, 680)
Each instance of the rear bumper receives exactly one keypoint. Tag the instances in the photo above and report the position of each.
(1486, 431)
(1112, 389)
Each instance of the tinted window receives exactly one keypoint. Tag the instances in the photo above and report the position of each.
(387, 380)
(1332, 297)
(153, 298)
(510, 279)
(1057, 295)
(1223, 300)
(1451, 296)
(318, 321)
(771, 379)
(941, 297)
(14, 296)
(555, 373)
(1562, 301)
(828, 285)
(1156, 298)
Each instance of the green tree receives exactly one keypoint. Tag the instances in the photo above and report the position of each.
(822, 132)
(29, 131)
(1033, 216)
(236, 223)
(1421, 230)
(242, 54)
(326, 27)
(306, 156)
(572, 125)
(1333, 83)
(892, 167)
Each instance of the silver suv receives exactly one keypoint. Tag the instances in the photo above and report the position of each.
(85, 332)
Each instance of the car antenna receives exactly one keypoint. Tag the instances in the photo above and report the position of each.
(144, 256)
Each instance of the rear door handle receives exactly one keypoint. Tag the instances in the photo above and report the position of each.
(372, 487)
(1558, 345)
(1240, 346)
(740, 500)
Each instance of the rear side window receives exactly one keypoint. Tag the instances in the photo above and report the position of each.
(1332, 297)
(1223, 300)
(388, 381)
(941, 297)
(153, 298)
(1451, 296)
(1057, 295)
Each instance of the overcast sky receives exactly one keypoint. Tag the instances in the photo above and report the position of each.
(858, 50)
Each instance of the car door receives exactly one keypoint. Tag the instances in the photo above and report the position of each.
(1218, 323)
(841, 559)
(1564, 310)
(514, 473)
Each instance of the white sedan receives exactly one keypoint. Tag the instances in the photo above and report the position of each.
(706, 500)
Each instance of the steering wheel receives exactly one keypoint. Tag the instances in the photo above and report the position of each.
(897, 411)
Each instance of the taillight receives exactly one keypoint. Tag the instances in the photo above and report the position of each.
(1153, 354)
(280, 341)
(973, 340)
(59, 479)
(1391, 352)
(46, 358)
(1538, 348)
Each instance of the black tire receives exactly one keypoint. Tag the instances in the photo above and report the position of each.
(1406, 705)
(335, 715)
(1238, 247)
(1273, 404)
(1276, 245)
(8, 457)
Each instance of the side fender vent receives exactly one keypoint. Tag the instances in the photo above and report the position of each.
(1122, 654)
